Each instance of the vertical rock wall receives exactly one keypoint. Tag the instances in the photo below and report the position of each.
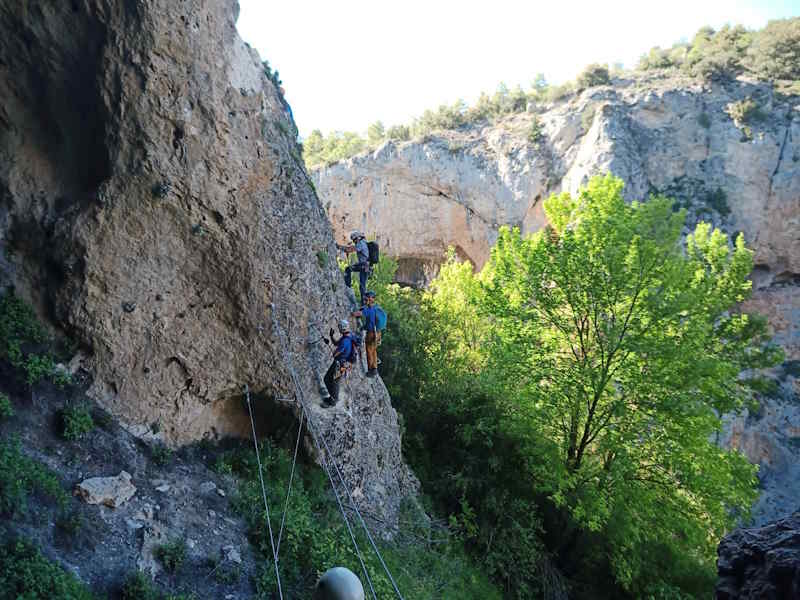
(154, 206)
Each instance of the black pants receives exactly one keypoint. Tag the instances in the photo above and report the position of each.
(363, 274)
(332, 381)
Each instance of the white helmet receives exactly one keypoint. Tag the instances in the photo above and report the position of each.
(344, 326)
(355, 235)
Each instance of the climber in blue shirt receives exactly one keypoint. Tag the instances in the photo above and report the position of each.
(371, 314)
(360, 247)
(343, 358)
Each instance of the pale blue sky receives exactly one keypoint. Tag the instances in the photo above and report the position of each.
(346, 64)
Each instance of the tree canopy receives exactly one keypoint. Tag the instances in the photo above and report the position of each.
(568, 396)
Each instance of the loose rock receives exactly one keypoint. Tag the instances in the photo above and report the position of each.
(108, 491)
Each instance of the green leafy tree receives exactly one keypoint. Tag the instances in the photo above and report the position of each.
(593, 75)
(376, 133)
(775, 52)
(622, 348)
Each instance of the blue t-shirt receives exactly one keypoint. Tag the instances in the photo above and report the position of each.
(344, 348)
(370, 314)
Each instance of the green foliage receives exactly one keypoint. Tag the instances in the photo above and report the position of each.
(27, 575)
(593, 75)
(21, 476)
(139, 587)
(315, 538)
(746, 112)
(704, 120)
(376, 133)
(562, 401)
(718, 200)
(76, 421)
(22, 339)
(319, 150)
(171, 554)
(6, 410)
(399, 132)
(322, 258)
(775, 51)
(771, 53)
(535, 133)
(765, 386)
(161, 455)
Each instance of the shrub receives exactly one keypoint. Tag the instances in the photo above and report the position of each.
(718, 200)
(535, 133)
(399, 132)
(765, 386)
(139, 587)
(21, 476)
(171, 555)
(161, 455)
(704, 120)
(6, 410)
(322, 258)
(26, 574)
(775, 52)
(592, 75)
(76, 421)
(745, 112)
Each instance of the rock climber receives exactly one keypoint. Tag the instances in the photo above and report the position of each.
(343, 358)
(359, 246)
(371, 314)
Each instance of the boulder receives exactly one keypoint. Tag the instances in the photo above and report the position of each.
(761, 562)
(108, 491)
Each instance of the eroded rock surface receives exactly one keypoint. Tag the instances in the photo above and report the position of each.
(154, 206)
(761, 562)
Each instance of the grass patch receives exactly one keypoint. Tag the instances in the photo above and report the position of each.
(76, 421)
(21, 476)
(27, 575)
(139, 587)
(171, 555)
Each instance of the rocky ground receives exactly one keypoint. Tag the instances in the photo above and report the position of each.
(178, 497)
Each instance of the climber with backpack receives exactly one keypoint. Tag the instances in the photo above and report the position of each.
(367, 254)
(374, 322)
(344, 355)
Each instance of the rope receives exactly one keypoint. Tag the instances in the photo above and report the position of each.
(264, 493)
(344, 485)
(289, 488)
(311, 429)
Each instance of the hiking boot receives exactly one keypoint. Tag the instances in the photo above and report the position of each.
(372, 372)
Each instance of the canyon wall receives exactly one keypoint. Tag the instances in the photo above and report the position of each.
(662, 136)
(155, 209)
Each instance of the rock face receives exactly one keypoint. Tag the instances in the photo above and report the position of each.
(154, 207)
(673, 137)
(761, 563)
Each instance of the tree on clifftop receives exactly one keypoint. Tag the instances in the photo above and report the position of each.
(623, 348)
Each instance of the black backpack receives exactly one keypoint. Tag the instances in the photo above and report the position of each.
(374, 253)
(355, 341)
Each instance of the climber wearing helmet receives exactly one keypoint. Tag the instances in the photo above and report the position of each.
(343, 358)
(371, 312)
(359, 246)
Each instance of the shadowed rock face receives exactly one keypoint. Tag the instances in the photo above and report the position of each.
(761, 563)
(154, 206)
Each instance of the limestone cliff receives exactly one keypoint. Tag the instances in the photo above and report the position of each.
(154, 206)
(679, 138)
